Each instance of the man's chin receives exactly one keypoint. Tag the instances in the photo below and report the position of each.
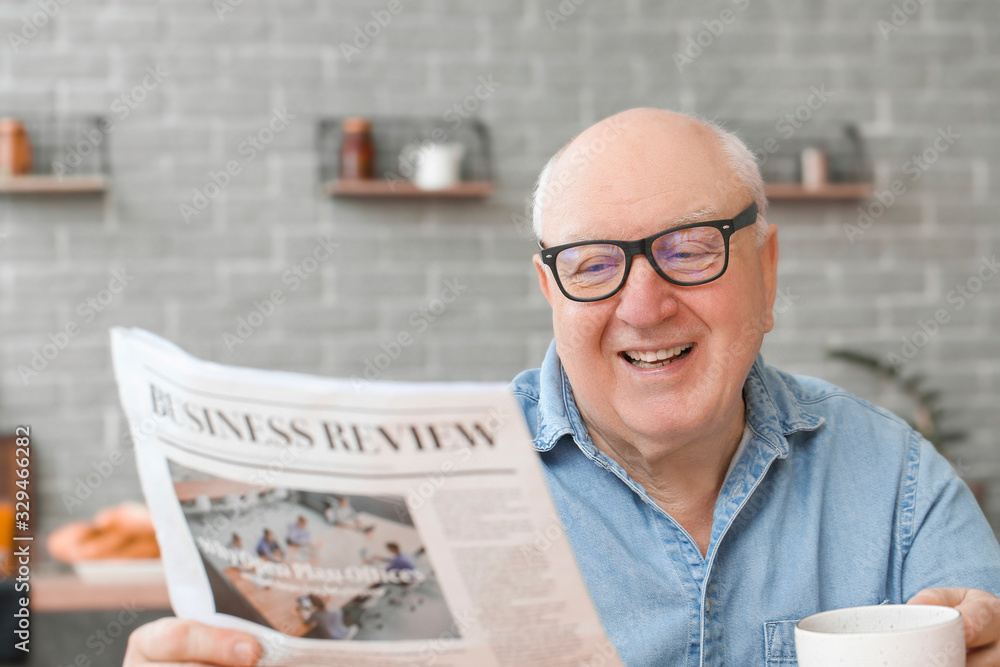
(662, 418)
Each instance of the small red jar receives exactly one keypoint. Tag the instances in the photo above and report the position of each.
(15, 148)
(357, 151)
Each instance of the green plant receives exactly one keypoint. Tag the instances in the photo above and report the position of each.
(928, 412)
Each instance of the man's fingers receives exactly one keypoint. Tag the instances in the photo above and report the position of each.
(983, 657)
(982, 620)
(946, 597)
(980, 611)
(182, 641)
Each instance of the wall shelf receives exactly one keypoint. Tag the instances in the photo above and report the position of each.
(69, 155)
(387, 189)
(396, 136)
(828, 191)
(47, 184)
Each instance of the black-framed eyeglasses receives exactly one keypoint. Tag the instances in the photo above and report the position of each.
(691, 254)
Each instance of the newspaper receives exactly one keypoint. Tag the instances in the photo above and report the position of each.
(382, 525)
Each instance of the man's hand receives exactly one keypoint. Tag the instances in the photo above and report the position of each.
(981, 612)
(173, 642)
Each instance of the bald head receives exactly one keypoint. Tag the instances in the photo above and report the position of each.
(647, 152)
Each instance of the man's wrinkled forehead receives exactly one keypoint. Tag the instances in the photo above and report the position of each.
(632, 207)
(615, 230)
(662, 168)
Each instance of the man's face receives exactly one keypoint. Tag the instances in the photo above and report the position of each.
(712, 332)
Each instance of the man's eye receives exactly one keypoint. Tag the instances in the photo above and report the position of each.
(690, 253)
(691, 256)
(597, 267)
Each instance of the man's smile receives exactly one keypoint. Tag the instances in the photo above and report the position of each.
(656, 358)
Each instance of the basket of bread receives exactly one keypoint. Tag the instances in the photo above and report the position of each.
(118, 544)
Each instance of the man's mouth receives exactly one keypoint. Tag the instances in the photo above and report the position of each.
(656, 358)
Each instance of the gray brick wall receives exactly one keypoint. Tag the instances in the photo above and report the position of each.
(225, 78)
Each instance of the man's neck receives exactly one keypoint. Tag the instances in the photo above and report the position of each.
(684, 478)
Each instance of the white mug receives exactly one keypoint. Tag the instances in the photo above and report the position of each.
(891, 635)
(437, 165)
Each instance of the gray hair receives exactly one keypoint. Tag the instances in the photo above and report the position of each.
(738, 156)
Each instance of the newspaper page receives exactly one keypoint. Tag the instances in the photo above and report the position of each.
(371, 525)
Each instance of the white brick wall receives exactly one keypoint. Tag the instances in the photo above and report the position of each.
(940, 69)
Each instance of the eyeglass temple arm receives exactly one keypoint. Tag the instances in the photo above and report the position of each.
(746, 218)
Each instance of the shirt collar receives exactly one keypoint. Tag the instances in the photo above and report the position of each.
(557, 411)
(773, 410)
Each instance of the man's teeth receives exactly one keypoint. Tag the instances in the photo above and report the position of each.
(654, 358)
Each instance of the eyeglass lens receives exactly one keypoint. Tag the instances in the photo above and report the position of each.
(596, 270)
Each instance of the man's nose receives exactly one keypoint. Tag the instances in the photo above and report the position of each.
(646, 299)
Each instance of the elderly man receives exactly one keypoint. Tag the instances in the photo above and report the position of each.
(711, 500)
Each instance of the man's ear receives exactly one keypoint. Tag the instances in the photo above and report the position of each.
(543, 278)
(769, 269)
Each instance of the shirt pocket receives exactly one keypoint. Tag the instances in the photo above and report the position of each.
(779, 644)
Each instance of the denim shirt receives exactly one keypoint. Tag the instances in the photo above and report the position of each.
(832, 502)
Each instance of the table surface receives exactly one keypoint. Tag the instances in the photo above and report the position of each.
(67, 592)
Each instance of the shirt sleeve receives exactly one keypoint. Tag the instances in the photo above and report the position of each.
(950, 543)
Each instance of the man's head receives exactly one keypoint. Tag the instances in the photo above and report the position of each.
(628, 177)
(301, 521)
(392, 548)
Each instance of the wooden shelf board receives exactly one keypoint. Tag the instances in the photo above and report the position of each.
(39, 184)
(387, 189)
(828, 191)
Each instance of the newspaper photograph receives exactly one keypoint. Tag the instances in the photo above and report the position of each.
(381, 524)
